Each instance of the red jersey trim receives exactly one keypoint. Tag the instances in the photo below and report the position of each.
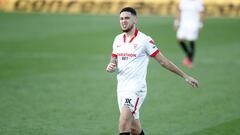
(135, 34)
(124, 38)
(155, 53)
(114, 55)
(152, 42)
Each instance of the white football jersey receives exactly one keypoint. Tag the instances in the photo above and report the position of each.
(132, 60)
(190, 10)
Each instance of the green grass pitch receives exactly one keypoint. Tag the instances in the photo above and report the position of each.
(53, 79)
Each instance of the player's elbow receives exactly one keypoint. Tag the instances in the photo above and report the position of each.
(162, 63)
(165, 64)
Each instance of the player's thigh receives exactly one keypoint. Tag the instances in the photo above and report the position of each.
(125, 120)
(126, 116)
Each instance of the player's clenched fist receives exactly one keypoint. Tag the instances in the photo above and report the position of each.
(111, 67)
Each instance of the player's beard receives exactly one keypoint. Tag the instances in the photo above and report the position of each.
(129, 29)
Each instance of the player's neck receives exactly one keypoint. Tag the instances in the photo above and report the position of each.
(131, 32)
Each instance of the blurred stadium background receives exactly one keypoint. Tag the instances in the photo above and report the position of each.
(53, 55)
(160, 7)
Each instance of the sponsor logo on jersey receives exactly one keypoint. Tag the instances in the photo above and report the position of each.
(127, 54)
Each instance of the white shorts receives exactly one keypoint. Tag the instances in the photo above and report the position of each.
(187, 33)
(131, 100)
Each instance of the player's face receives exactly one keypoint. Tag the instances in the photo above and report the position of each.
(127, 21)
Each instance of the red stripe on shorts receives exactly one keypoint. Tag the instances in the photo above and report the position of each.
(135, 107)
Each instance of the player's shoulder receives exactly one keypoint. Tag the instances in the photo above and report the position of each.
(143, 36)
(146, 39)
(120, 35)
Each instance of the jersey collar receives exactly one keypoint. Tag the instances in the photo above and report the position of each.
(135, 34)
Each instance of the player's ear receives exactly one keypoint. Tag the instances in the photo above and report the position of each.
(135, 20)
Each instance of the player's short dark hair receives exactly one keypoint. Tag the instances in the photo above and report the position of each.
(129, 9)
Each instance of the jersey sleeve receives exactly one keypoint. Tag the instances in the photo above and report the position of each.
(180, 5)
(114, 52)
(151, 48)
(200, 6)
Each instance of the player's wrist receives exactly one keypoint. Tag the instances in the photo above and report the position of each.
(201, 25)
(185, 77)
(176, 23)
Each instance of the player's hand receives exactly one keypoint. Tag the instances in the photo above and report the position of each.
(193, 82)
(111, 67)
(201, 25)
(176, 24)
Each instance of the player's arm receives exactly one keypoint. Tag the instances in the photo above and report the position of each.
(112, 66)
(201, 14)
(173, 68)
(177, 19)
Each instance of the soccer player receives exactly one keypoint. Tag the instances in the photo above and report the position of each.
(188, 22)
(130, 57)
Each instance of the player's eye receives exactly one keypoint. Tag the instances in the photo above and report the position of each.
(124, 18)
